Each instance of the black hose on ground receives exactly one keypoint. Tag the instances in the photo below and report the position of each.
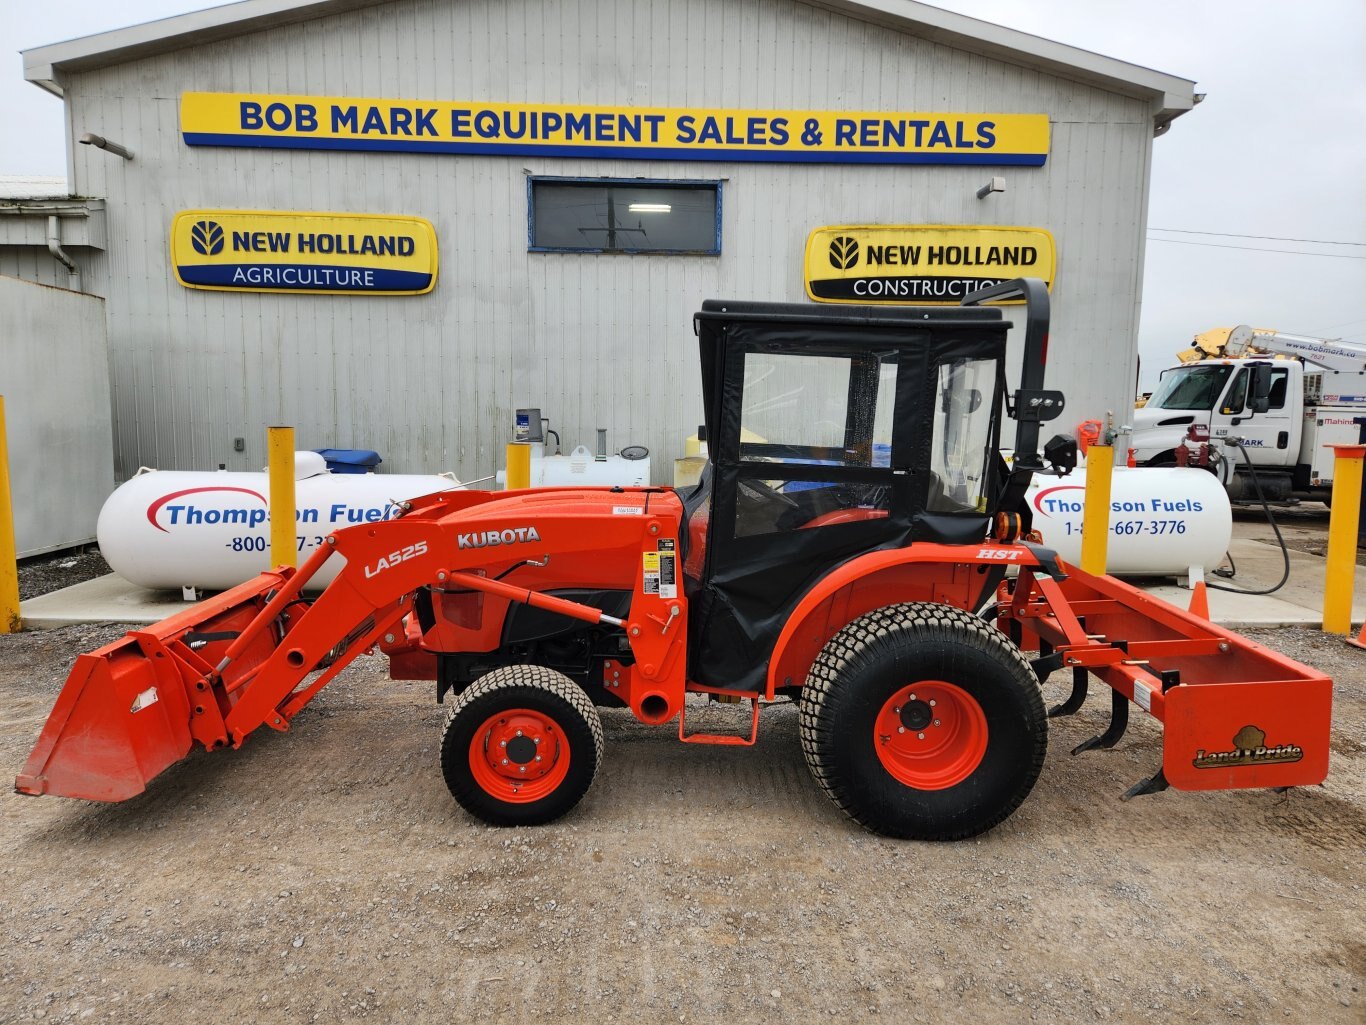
(1266, 507)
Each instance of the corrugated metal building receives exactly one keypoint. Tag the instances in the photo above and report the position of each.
(595, 339)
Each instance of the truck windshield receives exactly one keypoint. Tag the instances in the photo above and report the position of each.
(1190, 387)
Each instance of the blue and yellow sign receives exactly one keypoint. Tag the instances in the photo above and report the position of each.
(921, 264)
(265, 251)
(640, 133)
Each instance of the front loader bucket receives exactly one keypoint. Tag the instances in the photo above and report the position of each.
(113, 728)
(136, 706)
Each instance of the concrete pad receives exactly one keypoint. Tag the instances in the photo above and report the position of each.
(106, 599)
(1257, 556)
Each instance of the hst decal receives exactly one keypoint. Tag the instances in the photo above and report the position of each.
(999, 554)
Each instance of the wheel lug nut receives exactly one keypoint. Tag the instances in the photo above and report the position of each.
(521, 768)
(502, 743)
(519, 733)
(505, 761)
(921, 736)
(897, 709)
(901, 729)
(912, 697)
(538, 758)
(936, 722)
(931, 702)
(538, 740)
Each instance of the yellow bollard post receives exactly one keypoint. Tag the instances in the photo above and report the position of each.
(9, 551)
(284, 541)
(1095, 516)
(519, 466)
(1339, 576)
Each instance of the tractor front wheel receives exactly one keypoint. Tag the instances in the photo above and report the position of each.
(521, 746)
(921, 721)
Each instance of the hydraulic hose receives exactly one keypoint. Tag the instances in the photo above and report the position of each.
(1266, 507)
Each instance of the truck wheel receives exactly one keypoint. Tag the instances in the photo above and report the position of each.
(922, 722)
(521, 746)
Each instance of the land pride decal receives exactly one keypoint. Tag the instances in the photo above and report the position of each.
(920, 264)
(624, 132)
(267, 251)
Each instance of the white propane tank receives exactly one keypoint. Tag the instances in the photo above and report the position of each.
(210, 530)
(581, 468)
(1163, 521)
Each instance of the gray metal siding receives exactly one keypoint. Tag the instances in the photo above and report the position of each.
(56, 386)
(594, 340)
(32, 264)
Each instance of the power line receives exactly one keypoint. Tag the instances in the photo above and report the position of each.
(1333, 327)
(1256, 249)
(1269, 238)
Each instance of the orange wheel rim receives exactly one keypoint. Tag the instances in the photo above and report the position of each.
(519, 755)
(930, 735)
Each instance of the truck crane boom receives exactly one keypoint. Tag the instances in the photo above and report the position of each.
(1330, 353)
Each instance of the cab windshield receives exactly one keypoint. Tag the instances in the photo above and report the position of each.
(1190, 387)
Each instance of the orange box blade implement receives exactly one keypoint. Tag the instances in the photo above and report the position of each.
(1266, 734)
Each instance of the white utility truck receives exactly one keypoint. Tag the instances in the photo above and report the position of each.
(1284, 411)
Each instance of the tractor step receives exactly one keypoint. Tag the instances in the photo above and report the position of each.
(721, 739)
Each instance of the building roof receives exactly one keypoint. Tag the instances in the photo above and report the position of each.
(32, 186)
(1171, 96)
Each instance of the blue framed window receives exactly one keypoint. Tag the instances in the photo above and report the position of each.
(623, 215)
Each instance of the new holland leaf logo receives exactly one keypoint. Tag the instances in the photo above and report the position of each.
(843, 252)
(207, 238)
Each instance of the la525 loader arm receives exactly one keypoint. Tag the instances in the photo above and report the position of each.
(244, 658)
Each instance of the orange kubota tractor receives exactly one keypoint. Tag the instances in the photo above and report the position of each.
(855, 560)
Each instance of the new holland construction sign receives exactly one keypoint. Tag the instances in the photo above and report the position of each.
(921, 264)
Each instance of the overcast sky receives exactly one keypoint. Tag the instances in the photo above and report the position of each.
(1248, 190)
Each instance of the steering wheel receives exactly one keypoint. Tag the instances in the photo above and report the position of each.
(767, 494)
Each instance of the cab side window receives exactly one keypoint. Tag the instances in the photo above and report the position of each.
(800, 411)
(1236, 396)
(1280, 381)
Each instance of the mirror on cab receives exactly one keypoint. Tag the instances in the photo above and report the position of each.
(1261, 388)
(1061, 454)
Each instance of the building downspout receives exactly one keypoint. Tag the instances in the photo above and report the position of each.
(54, 246)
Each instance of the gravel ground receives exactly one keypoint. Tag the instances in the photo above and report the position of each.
(326, 875)
(44, 573)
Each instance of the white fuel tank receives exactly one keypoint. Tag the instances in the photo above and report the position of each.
(581, 469)
(1163, 521)
(211, 531)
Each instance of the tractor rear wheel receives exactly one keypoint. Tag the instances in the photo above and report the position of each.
(920, 721)
(521, 746)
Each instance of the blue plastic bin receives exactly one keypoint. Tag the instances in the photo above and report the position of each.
(350, 460)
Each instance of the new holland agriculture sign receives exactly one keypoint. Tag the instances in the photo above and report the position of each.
(261, 251)
(921, 264)
(641, 133)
